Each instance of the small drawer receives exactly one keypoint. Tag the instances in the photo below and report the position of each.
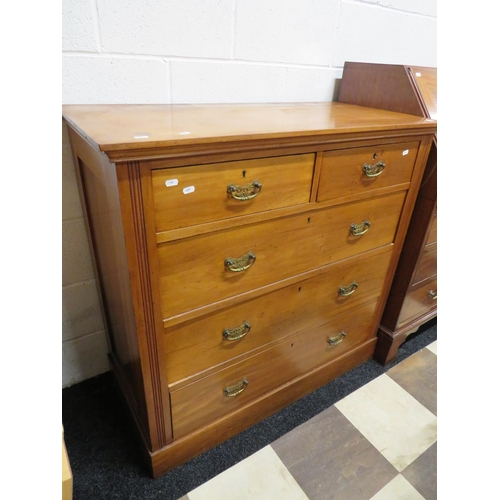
(420, 299)
(427, 264)
(201, 402)
(350, 172)
(187, 196)
(205, 342)
(215, 266)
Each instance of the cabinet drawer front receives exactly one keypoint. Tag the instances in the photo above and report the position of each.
(200, 344)
(420, 299)
(204, 401)
(200, 277)
(342, 172)
(427, 264)
(187, 196)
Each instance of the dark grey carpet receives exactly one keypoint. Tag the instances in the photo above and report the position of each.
(105, 458)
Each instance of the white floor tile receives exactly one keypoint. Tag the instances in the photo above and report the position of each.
(262, 476)
(398, 489)
(433, 347)
(391, 419)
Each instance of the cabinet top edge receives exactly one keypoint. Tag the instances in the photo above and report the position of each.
(122, 127)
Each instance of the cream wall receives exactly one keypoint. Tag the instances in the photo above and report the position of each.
(195, 51)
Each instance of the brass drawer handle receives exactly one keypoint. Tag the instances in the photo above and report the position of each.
(345, 291)
(240, 264)
(233, 390)
(433, 295)
(359, 229)
(243, 193)
(337, 339)
(373, 170)
(236, 333)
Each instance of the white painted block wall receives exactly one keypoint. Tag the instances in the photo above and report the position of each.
(208, 51)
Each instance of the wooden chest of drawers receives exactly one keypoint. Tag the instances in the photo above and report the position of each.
(413, 296)
(244, 253)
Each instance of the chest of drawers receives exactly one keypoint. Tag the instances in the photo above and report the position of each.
(413, 296)
(244, 253)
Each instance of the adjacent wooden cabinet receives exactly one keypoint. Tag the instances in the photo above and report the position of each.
(244, 252)
(413, 297)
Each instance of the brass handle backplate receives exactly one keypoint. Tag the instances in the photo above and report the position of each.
(373, 170)
(241, 263)
(433, 295)
(345, 291)
(243, 193)
(236, 333)
(337, 339)
(359, 229)
(233, 390)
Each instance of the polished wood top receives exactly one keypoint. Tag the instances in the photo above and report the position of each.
(426, 80)
(121, 127)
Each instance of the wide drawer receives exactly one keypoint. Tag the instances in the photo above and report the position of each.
(205, 342)
(196, 271)
(427, 264)
(349, 172)
(187, 196)
(199, 403)
(419, 300)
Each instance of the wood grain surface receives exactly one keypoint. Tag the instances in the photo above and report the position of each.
(115, 127)
(197, 345)
(199, 193)
(199, 276)
(201, 402)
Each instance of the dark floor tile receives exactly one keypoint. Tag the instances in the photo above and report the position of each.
(422, 473)
(418, 376)
(329, 458)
